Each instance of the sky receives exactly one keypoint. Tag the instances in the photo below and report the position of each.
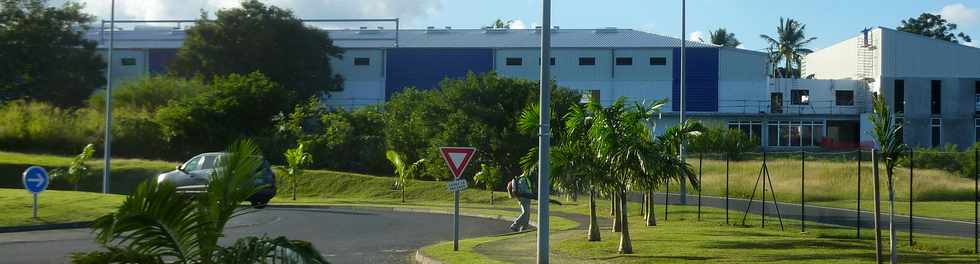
(830, 21)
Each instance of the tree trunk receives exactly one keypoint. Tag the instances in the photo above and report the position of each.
(594, 234)
(618, 209)
(612, 204)
(651, 214)
(877, 206)
(491, 197)
(643, 205)
(789, 66)
(891, 216)
(294, 187)
(625, 244)
(403, 193)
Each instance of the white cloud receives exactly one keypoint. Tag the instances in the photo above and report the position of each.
(961, 15)
(406, 10)
(696, 36)
(517, 24)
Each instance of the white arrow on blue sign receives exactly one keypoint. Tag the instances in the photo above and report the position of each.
(35, 179)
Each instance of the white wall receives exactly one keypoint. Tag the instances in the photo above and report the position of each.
(911, 55)
(363, 84)
(822, 94)
(742, 81)
(121, 73)
(835, 62)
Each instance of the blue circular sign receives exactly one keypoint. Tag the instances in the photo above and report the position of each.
(35, 179)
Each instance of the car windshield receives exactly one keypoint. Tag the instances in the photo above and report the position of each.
(192, 164)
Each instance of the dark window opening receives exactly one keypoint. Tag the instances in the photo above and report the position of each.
(362, 61)
(976, 96)
(844, 97)
(658, 60)
(552, 61)
(937, 125)
(936, 104)
(515, 61)
(128, 61)
(776, 103)
(586, 61)
(901, 131)
(624, 61)
(899, 99)
(800, 97)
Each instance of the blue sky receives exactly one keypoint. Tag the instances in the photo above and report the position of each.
(828, 20)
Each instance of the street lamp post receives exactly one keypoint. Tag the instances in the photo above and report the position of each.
(108, 101)
(544, 140)
(682, 146)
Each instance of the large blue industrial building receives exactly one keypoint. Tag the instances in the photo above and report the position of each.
(725, 86)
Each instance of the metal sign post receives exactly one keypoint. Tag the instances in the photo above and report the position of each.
(35, 181)
(456, 158)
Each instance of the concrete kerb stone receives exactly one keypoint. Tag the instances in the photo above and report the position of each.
(26, 228)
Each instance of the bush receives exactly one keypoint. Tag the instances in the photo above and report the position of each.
(947, 158)
(341, 140)
(235, 106)
(148, 93)
(41, 127)
(732, 142)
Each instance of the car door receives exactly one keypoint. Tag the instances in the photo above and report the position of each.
(201, 175)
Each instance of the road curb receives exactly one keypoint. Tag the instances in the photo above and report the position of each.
(420, 257)
(69, 225)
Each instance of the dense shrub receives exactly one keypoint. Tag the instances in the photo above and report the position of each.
(341, 140)
(148, 93)
(41, 127)
(235, 106)
(721, 140)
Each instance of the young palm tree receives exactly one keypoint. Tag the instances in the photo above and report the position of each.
(404, 171)
(155, 224)
(488, 176)
(722, 37)
(886, 134)
(790, 43)
(297, 159)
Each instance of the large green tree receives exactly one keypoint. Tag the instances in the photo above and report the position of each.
(480, 111)
(933, 26)
(790, 43)
(268, 39)
(722, 37)
(43, 55)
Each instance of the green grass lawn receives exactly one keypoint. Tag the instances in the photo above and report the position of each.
(683, 239)
(54, 206)
(126, 173)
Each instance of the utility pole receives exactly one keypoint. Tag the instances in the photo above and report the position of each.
(108, 101)
(682, 149)
(544, 139)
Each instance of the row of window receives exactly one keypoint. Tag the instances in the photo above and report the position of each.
(935, 96)
(590, 61)
(784, 133)
(802, 97)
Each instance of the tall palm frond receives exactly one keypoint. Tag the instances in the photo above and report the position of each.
(789, 43)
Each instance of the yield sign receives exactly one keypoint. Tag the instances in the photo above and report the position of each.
(457, 158)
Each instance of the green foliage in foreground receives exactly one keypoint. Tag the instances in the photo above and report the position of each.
(156, 223)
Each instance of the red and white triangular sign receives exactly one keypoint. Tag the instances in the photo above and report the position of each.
(457, 158)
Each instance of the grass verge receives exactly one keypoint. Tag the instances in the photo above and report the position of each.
(54, 206)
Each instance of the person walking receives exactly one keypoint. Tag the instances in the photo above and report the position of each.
(520, 187)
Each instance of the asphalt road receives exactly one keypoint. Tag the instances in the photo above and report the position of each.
(341, 235)
(819, 214)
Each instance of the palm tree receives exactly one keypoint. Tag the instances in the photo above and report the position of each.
(574, 164)
(886, 134)
(501, 24)
(297, 159)
(790, 44)
(404, 171)
(722, 37)
(156, 223)
(488, 176)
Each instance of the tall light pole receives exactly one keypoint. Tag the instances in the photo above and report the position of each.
(683, 98)
(108, 101)
(544, 139)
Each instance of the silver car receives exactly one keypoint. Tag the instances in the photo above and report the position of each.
(195, 175)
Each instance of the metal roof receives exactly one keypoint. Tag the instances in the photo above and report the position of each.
(435, 38)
